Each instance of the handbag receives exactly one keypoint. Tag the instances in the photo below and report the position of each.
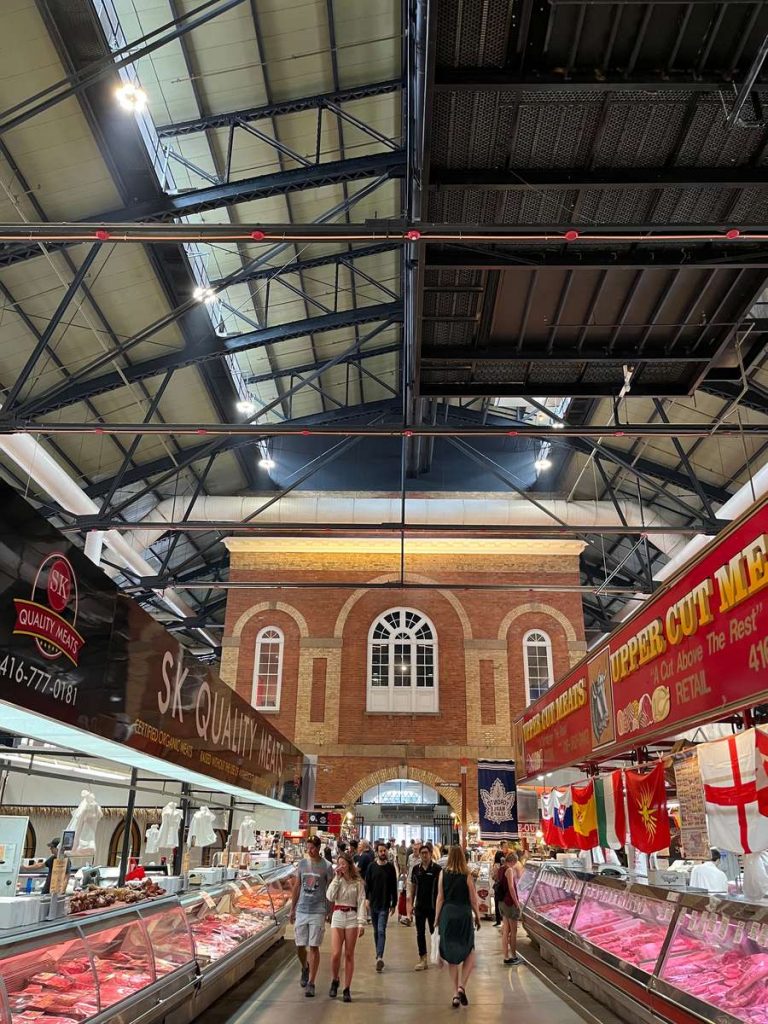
(434, 952)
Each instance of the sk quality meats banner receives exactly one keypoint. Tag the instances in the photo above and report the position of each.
(696, 650)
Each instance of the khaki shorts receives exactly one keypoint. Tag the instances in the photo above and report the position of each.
(309, 929)
(511, 912)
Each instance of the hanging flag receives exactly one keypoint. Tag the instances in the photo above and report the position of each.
(498, 800)
(647, 805)
(584, 815)
(547, 823)
(562, 816)
(733, 771)
(611, 820)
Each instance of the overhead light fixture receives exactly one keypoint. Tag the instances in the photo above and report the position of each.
(266, 463)
(246, 408)
(557, 424)
(204, 293)
(131, 97)
(541, 464)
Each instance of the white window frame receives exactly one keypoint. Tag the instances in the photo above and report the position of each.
(389, 699)
(547, 645)
(261, 639)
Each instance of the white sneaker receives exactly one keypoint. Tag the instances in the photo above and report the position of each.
(422, 965)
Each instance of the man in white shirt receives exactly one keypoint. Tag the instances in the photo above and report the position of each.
(709, 876)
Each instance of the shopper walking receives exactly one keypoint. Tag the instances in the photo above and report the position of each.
(422, 902)
(414, 857)
(381, 891)
(366, 857)
(509, 901)
(346, 893)
(402, 858)
(496, 870)
(309, 911)
(456, 907)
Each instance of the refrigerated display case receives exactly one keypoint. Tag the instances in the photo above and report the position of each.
(555, 894)
(167, 959)
(652, 953)
(717, 961)
(526, 882)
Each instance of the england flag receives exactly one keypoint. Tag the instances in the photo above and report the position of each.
(735, 776)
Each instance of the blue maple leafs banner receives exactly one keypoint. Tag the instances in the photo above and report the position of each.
(497, 799)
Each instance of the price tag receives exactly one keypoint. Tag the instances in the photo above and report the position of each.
(208, 900)
(725, 925)
(764, 935)
(738, 933)
(673, 897)
(233, 887)
(753, 930)
(185, 863)
(59, 876)
(695, 923)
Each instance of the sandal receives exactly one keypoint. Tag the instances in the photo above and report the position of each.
(463, 997)
(456, 1002)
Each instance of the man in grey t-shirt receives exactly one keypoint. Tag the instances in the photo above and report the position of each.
(309, 910)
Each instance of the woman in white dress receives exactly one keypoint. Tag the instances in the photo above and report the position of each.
(347, 895)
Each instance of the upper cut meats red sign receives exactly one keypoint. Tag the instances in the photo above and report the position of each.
(697, 649)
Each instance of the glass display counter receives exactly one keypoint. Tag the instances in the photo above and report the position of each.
(122, 964)
(689, 956)
(718, 959)
(555, 894)
(630, 923)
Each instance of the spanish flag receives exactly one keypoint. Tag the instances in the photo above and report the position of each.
(585, 815)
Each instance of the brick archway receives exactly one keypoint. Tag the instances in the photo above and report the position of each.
(403, 771)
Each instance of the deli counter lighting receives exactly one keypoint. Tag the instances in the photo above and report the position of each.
(46, 730)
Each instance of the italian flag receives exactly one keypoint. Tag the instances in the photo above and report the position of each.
(611, 820)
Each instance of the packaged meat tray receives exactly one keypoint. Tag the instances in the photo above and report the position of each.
(627, 924)
(722, 962)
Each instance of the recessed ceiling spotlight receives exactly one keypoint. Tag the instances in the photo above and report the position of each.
(266, 463)
(203, 293)
(131, 97)
(246, 408)
(557, 424)
(541, 464)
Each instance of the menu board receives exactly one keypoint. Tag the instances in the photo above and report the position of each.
(693, 814)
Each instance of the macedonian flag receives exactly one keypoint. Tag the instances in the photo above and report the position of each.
(585, 815)
(647, 806)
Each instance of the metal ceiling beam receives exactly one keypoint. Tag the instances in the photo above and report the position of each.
(505, 350)
(332, 259)
(267, 111)
(262, 186)
(107, 67)
(194, 453)
(511, 428)
(523, 390)
(521, 179)
(638, 257)
(483, 80)
(184, 525)
(209, 347)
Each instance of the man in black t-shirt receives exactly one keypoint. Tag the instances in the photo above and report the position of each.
(422, 899)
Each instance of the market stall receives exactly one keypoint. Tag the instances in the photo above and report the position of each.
(109, 723)
(665, 722)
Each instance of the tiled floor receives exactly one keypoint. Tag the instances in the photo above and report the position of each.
(399, 995)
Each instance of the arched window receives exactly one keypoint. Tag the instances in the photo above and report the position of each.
(116, 843)
(268, 669)
(30, 842)
(402, 663)
(537, 658)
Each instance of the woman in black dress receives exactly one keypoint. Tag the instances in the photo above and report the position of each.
(456, 907)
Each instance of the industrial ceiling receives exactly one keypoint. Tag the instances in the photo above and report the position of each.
(433, 246)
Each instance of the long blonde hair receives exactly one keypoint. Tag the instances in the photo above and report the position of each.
(457, 862)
